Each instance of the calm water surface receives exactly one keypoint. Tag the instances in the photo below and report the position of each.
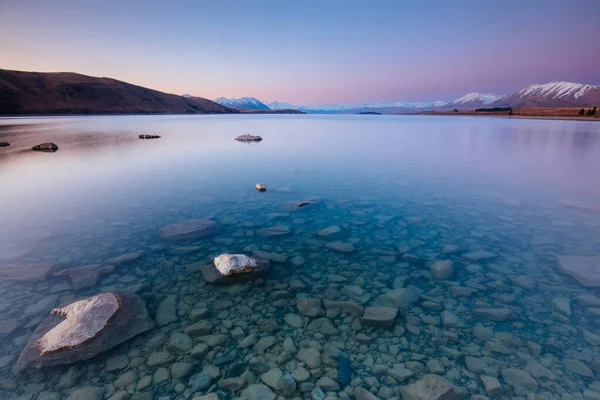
(501, 200)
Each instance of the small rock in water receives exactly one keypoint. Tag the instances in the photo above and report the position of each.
(149, 136)
(260, 187)
(258, 392)
(584, 269)
(380, 316)
(519, 379)
(229, 264)
(432, 387)
(248, 138)
(4, 144)
(442, 270)
(341, 247)
(46, 147)
(327, 232)
(189, 229)
(274, 231)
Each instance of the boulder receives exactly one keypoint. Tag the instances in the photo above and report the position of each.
(229, 264)
(84, 329)
(432, 387)
(211, 274)
(47, 147)
(248, 138)
(380, 316)
(260, 187)
(189, 229)
(584, 269)
(4, 144)
(25, 272)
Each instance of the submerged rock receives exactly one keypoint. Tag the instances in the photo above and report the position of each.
(432, 387)
(86, 276)
(229, 264)
(277, 230)
(584, 269)
(212, 275)
(189, 229)
(84, 329)
(47, 147)
(519, 379)
(25, 272)
(248, 138)
(380, 316)
(442, 270)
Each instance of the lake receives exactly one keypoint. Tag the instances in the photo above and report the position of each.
(484, 234)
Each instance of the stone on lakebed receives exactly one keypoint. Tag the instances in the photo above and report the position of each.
(380, 316)
(84, 329)
(47, 147)
(584, 269)
(232, 268)
(189, 229)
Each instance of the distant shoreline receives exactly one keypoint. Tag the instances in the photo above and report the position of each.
(558, 114)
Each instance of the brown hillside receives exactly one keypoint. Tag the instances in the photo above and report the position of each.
(70, 93)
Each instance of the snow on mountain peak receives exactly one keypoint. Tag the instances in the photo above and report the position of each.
(483, 98)
(556, 90)
(245, 103)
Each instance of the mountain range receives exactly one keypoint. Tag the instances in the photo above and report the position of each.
(245, 103)
(548, 95)
(69, 93)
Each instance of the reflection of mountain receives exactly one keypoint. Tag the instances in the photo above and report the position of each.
(69, 93)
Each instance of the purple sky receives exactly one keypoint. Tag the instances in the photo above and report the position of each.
(309, 52)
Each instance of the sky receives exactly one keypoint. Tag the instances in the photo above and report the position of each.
(309, 52)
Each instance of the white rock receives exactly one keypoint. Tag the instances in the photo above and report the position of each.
(229, 264)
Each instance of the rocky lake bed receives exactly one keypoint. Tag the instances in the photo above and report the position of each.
(416, 286)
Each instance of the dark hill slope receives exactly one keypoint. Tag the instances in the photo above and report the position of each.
(70, 93)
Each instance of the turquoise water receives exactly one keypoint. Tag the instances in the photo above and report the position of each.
(405, 192)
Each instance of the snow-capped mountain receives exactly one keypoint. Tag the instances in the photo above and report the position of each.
(553, 94)
(477, 99)
(245, 103)
(186, 95)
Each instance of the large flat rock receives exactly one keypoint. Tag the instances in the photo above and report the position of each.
(584, 269)
(131, 320)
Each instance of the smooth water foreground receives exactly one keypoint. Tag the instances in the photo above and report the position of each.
(499, 200)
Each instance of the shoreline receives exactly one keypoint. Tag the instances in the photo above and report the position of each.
(537, 117)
